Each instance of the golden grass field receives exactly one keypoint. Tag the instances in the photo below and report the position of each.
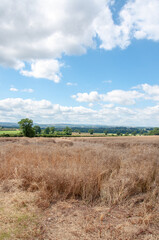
(79, 188)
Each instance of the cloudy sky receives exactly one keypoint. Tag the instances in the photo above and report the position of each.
(80, 61)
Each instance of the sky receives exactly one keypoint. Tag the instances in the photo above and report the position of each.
(80, 61)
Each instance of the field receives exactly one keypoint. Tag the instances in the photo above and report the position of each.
(10, 132)
(79, 188)
(86, 134)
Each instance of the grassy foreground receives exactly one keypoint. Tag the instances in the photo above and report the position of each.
(112, 181)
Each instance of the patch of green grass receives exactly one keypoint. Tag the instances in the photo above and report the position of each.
(19, 226)
(1, 209)
(4, 235)
(17, 222)
(24, 218)
(10, 132)
(22, 224)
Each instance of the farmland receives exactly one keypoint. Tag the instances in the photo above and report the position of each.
(10, 132)
(79, 188)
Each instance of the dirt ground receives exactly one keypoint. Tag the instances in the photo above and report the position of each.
(74, 220)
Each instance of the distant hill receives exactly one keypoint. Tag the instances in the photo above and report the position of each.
(9, 125)
(59, 125)
(63, 125)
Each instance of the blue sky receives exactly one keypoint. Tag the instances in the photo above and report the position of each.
(84, 62)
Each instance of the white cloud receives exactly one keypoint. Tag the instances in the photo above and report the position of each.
(138, 19)
(90, 105)
(144, 18)
(110, 34)
(13, 109)
(145, 92)
(12, 89)
(33, 31)
(71, 84)
(27, 90)
(40, 32)
(87, 97)
(115, 96)
(107, 81)
(122, 97)
(49, 69)
(110, 105)
(150, 91)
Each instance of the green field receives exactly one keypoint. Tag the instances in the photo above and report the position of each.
(9, 132)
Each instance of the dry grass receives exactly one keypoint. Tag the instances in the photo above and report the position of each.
(19, 217)
(114, 173)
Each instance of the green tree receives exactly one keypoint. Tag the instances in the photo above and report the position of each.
(37, 129)
(118, 133)
(134, 133)
(141, 132)
(52, 130)
(67, 131)
(77, 131)
(47, 130)
(155, 131)
(27, 127)
(105, 132)
(91, 131)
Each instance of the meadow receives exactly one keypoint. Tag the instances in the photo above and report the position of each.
(10, 132)
(79, 188)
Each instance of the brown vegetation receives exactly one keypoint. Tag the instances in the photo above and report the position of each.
(115, 179)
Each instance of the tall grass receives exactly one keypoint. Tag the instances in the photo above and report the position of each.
(109, 171)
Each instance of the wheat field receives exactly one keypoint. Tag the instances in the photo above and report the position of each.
(112, 184)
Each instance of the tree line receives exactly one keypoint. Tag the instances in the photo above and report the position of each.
(28, 130)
